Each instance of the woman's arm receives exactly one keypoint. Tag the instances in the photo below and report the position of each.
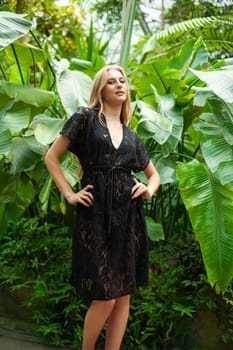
(153, 183)
(52, 158)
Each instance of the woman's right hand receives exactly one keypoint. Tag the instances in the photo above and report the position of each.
(84, 197)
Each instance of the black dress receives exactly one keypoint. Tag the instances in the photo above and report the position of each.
(110, 247)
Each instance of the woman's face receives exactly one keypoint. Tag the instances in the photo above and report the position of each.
(115, 89)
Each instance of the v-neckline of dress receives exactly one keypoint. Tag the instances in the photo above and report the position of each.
(110, 137)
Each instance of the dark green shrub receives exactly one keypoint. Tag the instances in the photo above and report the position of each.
(37, 256)
(162, 314)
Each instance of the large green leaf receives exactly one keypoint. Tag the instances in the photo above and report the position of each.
(26, 153)
(45, 193)
(27, 54)
(16, 193)
(47, 129)
(4, 100)
(166, 167)
(158, 127)
(69, 164)
(154, 229)
(3, 218)
(215, 150)
(218, 81)
(170, 111)
(26, 94)
(146, 75)
(87, 67)
(193, 54)
(217, 138)
(13, 26)
(223, 113)
(16, 117)
(164, 124)
(5, 142)
(74, 89)
(32, 63)
(225, 171)
(210, 207)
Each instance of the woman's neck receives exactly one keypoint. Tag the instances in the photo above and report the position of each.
(112, 113)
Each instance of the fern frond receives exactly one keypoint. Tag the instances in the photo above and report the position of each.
(216, 39)
(186, 26)
(217, 33)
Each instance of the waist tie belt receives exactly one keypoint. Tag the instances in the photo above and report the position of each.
(110, 189)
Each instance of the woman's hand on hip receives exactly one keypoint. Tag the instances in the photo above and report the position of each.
(140, 189)
(84, 197)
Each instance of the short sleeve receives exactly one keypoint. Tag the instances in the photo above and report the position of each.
(142, 154)
(75, 129)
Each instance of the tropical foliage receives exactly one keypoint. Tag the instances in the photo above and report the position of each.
(182, 98)
(181, 113)
(186, 119)
(28, 91)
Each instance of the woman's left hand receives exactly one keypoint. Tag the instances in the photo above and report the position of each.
(140, 189)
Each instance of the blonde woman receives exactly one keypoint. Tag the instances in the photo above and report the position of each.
(110, 248)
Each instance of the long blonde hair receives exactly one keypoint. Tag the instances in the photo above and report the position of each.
(96, 100)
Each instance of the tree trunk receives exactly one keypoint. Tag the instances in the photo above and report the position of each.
(162, 15)
(23, 6)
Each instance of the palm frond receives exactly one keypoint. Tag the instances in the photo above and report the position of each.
(182, 27)
(189, 25)
(216, 39)
(216, 32)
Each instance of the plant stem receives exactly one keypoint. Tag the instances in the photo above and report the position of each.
(18, 64)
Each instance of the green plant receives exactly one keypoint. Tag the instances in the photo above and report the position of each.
(34, 96)
(37, 256)
(162, 314)
(185, 118)
(215, 31)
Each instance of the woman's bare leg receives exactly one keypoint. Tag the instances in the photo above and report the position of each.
(95, 319)
(117, 323)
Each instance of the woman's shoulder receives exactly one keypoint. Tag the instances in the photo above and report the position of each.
(86, 111)
(131, 132)
(79, 123)
(83, 116)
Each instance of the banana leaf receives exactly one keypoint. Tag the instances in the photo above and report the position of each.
(210, 207)
(26, 94)
(13, 26)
